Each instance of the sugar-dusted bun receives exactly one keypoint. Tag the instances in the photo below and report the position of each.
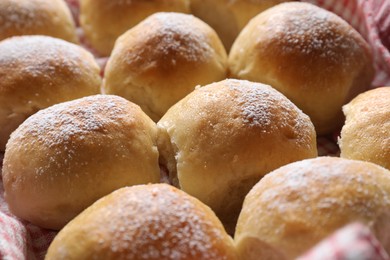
(223, 138)
(155, 221)
(104, 21)
(162, 59)
(366, 133)
(39, 71)
(36, 17)
(228, 17)
(294, 207)
(65, 157)
(309, 54)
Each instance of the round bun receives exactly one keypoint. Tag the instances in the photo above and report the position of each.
(65, 157)
(36, 17)
(309, 54)
(296, 206)
(104, 21)
(154, 221)
(223, 138)
(162, 59)
(39, 71)
(366, 133)
(229, 17)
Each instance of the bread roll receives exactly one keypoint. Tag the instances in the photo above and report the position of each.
(223, 138)
(144, 222)
(294, 207)
(31, 17)
(39, 71)
(229, 17)
(309, 54)
(65, 157)
(104, 21)
(162, 59)
(366, 133)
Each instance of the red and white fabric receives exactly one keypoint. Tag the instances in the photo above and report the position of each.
(353, 242)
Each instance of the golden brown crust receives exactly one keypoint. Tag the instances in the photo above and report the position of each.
(39, 71)
(228, 17)
(104, 21)
(144, 222)
(366, 133)
(162, 59)
(63, 158)
(311, 55)
(294, 207)
(36, 17)
(227, 135)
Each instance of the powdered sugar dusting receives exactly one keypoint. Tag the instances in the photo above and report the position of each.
(308, 29)
(264, 107)
(42, 56)
(154, 222)
(65, 126)
(168, 38)
(59, 124)
(325, 183)
(21, 15)
(255, 101)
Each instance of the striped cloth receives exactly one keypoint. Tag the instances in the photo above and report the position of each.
(353, 242)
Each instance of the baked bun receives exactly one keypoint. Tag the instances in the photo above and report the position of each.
(223, 138)
(154, 221)
(39, 71)
(366, 133)
(65, 157)
(162, 59)
(104, 21)
(33, 17)
(229, 17)
(294, 207)
(309, 54)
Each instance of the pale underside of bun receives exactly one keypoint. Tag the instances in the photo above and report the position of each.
(228, 17)
(104, 21)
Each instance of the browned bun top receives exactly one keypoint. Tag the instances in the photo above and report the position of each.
(309, 54)
(228, 17)
(162, 59)
(223, 138)
(39, 71)
(294, 207)
(366, 133)
(36, 17)
(63, 158)
(104, 21)
(144, 222)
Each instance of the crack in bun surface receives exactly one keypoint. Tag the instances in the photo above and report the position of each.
(224, 137)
